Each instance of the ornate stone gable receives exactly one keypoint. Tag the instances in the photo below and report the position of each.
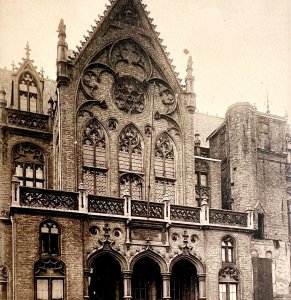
(126, 19)
(124, 77)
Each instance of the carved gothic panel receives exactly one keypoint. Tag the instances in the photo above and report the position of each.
(130, 140)
(201, 165)
(144, 233)
(42, 267)
(229, 272)
(129, 59)
(128, 15)
(164, 147)
(129, 95)
(166, 97)
(94, 134)
(27, 152)
(95, 80)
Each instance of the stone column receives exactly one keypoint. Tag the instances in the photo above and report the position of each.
(86, 284)
(166, 286)
(202, 286)
(127, 285)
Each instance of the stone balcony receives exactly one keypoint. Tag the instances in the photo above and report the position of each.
(27, 120)
(126, 208)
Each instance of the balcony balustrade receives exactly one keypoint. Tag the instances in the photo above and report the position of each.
(27, 197)
(27, 120)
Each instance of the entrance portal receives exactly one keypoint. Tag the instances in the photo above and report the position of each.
(184, 282)
(146, 280)
(106, 279)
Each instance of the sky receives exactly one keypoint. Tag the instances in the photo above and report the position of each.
(241, 49)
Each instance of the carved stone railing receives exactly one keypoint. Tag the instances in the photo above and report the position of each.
(186, 214)
(28, 197)
(145, 209)
(106, 205)
(34, 197)
(27, 119)
(229, 218)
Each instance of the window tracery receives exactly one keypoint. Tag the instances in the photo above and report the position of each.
(49, 238)
(133, 183)
(130, 162)
(94, 158)
(228, 249)
(29, 165)
(130, 149)
(49, 279)
(164, 168)
(28, 94)
(228, 283)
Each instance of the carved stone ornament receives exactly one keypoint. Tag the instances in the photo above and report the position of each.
(229, 272)
(166, 96)
(3, 273)
(27, 152)
(129, 59)
(112, 124)
(49, 264)
(129, 140)
(93, 81)
(129, 95)
(128, 14)
(28, 120)
(164, 147)
(48, 198)
(201, 165)
(94, 134)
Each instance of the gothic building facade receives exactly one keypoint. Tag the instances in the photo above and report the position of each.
(110, 191)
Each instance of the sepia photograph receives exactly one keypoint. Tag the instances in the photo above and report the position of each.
(145, 150)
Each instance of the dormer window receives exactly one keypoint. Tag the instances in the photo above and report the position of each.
(28, 93)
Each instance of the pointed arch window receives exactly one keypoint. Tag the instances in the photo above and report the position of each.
(164, 168)
(131, 162)
(228, 249)
(228, 284)
(28, 94)
(94, 158)
(133, 183)
(49, 279)
(29, 167)
(49, 232)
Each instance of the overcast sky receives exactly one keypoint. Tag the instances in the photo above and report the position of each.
(241, 49)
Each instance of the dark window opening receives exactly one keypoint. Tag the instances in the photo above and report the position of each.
(260, 234)
(49, 238)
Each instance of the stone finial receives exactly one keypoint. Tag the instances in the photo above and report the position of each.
(27, 50)
(189, 77)
(13, 66)
(62, 27)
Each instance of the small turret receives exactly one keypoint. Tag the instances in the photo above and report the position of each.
(62, 55)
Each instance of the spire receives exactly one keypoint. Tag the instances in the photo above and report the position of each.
(189, 78)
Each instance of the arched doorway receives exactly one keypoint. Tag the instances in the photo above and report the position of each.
(146, 280)
(105, 279)
(184, 282)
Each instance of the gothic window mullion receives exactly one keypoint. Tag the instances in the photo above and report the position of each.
(28, 97)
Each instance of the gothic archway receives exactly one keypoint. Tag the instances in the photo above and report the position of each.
(184, 281)
(105, 279)
(146, 280)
